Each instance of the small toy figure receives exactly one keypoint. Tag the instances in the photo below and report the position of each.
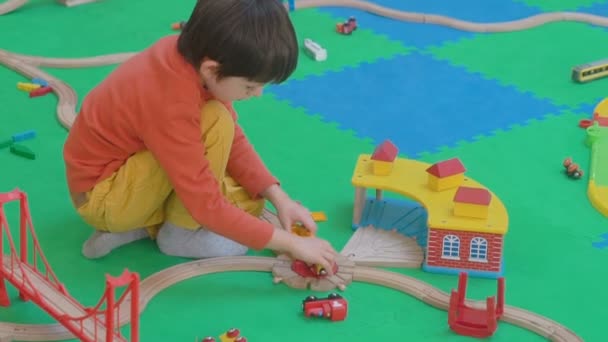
(347, 27)
(232, 335)
(572, 169)
(178, 25)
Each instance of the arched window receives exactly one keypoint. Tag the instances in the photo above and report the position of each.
(479, 249)
(451, 247)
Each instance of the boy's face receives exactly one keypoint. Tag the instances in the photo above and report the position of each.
(228, 89)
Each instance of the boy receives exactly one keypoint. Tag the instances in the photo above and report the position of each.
(156, 151)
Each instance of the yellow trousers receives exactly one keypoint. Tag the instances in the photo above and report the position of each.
(139, 193)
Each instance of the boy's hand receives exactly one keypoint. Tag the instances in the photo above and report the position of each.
(313, 250)
(291, 212)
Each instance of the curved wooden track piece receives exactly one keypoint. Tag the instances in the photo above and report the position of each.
(424, 18)
(161, 280)
(29, 66)
(11, 5)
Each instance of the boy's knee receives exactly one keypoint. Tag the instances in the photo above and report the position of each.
(238, 196)
(215, 116)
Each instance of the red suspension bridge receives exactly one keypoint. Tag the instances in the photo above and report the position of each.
(99, 323)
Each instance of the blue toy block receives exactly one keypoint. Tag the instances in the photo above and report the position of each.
(471, 272)
(24, 136)
(40, 81)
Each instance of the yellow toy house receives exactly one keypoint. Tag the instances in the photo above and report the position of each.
(446, 174)
(472, 202)
(383, 158)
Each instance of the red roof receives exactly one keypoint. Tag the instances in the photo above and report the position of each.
(446, 168)
(470, 195)
(387, 151)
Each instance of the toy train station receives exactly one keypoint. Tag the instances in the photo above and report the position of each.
(460, 224)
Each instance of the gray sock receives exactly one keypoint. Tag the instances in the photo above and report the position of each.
(197, 244)
(102, 243)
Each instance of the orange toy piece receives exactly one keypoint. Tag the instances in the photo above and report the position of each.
(300, 230)
(319, 216)
(178, 26)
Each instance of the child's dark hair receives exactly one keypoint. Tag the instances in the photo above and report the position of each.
(254, 39)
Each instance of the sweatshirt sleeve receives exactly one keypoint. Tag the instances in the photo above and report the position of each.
(245, 164)
(175, 141)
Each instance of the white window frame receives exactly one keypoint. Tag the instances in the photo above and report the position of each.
(478, 252)
(450, 242)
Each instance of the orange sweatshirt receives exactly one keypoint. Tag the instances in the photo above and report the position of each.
(153, 101)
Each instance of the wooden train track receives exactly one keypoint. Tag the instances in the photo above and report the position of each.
(156, 283)
(29, 66)
(12, 5)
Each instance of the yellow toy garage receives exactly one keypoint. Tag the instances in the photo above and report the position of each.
(466, 222)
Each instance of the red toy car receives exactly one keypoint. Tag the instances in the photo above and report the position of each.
(347, 27)
(334, 307)
(311, 271)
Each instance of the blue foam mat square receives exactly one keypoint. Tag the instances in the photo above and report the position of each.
(422, 35)
(414, 100)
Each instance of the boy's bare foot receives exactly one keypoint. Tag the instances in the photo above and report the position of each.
(102, 243)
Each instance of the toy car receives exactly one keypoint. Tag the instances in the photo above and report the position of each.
(305, 270)
(334, 307)
(572, 169)
(347, 27)
(314, 50)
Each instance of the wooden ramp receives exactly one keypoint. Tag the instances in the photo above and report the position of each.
(374, 247)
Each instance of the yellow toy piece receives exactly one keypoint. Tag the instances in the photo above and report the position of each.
(441, 184)
(471, 210)
(409, 178)
(319, 216)
(446, 174)
(27, 86)
(232, 335)
(300, 230)
(602, 108)
(382, 168)
(472, 202)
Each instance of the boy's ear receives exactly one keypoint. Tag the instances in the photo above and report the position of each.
(209, 68)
